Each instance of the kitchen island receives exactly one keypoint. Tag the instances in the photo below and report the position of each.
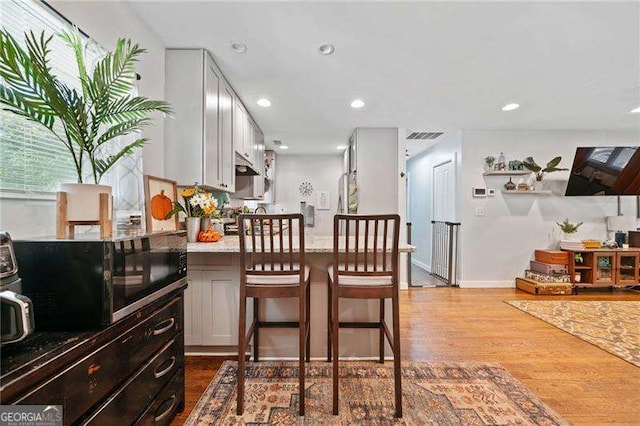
(212, 300)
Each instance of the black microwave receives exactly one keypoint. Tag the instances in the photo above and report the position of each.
(88, 283)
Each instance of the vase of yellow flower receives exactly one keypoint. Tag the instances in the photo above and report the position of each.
(197, 204)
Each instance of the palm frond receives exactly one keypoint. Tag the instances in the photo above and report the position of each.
(116, 71)
(122, 129)
(133, 108)
(102, 165)
(74, 41)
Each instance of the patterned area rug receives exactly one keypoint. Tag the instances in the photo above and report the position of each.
(433, 394)
(612, 326)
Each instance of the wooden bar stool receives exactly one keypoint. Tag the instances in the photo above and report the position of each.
(272, 267)
(362, 269)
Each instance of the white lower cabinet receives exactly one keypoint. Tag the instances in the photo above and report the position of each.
(212, 302)
(220, 301)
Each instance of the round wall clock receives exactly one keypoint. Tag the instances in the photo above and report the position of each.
(305, 188)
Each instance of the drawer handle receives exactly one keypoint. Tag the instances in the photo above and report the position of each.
(159, 329)
(167, 411)
(157, 374)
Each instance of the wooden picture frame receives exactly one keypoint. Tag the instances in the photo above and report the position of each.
(153, 186)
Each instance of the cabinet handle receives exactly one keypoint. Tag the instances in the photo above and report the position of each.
(159, 329)
(172, 361)
(167, 411)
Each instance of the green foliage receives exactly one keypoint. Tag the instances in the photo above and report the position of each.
(552, 166)
(568, 227)
(83, 122)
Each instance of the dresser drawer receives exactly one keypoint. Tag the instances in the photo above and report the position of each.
(86, 382)
(128, 403)
(168, 402)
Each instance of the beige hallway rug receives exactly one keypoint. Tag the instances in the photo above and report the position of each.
(612, 326)
(433, 394)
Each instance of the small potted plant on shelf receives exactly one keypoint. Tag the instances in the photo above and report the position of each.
(488, 163)
(568, 228)
(86, 119)
(552, 166)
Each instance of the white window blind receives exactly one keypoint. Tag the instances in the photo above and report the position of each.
(31, 158)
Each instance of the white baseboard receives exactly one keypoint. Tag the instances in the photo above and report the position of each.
(421, 265)
(487, 284)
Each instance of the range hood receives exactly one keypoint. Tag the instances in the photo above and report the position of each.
(243, 167)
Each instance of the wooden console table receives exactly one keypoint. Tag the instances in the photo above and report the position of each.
(605, 267)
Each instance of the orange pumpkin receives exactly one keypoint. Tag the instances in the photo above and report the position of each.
(209, 236)
(161, 205)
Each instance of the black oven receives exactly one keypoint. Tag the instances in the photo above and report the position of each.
(88, 283)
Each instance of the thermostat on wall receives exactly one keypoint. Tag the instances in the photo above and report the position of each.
(479, 192)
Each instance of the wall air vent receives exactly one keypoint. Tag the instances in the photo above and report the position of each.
(277, 142)
(425, 135)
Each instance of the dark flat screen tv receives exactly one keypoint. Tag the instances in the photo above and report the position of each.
(605, 170)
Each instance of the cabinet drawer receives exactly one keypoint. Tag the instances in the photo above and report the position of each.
(126, 405)
(83, 384)
(168, 402)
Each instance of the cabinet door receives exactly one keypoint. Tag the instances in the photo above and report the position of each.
(248, 139)
(220, 301)
(211, 150)
(605, 268)
(258, 185)
(627, 268)
(239, 123)
(184, 81)
(193, 309)
(227, 158)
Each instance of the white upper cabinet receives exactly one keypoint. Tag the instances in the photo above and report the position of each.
(243, 132)
(228, 171)
(198, 139)
(209, 126)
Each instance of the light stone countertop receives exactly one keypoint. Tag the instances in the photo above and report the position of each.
(315, 244)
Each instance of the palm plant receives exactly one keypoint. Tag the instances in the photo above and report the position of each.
(84, 121)
(552, 166)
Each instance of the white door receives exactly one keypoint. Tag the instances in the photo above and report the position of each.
(444, 192)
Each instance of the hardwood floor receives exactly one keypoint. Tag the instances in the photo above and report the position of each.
(583, 383)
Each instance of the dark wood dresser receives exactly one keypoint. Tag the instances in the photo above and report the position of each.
(131, 372)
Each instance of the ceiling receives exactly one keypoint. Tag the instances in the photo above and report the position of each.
(434, 66)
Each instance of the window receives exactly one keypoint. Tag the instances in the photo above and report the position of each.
(31, 158)
(613, 157)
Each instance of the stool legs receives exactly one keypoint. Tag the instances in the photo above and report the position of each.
(381, 332)
(397, 373)
(335, 346)
(329, 318)
(256, 329)
(242, 320)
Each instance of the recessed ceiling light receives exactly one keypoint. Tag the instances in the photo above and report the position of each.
(635, 110)
(510, 107)
(238, 47)
(264, 102)
(283, 147)
(357, 103)
(340, 147)
(326, 49)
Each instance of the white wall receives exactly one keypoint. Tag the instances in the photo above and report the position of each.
(105, 22)
(420, 206)
(322, 171)
(497, 247)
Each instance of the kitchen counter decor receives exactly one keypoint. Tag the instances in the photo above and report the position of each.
(93, 117)
(198, 204)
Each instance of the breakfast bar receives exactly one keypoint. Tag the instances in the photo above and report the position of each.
(212, 300)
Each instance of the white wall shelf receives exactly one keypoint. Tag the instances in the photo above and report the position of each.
(516, 192)
(508, 173)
